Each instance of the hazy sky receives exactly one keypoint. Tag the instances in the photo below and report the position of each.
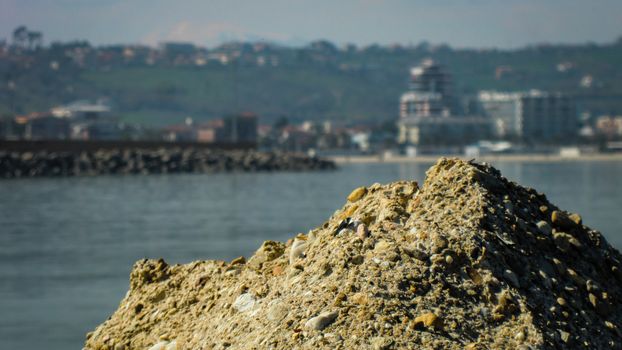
(466, 23)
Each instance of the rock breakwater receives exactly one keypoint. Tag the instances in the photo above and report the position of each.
(469, 260)
(33, 164)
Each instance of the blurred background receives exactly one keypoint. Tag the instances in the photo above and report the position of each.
(381, 88)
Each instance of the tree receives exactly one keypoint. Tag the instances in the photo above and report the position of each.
(20, 36)
(35, 40)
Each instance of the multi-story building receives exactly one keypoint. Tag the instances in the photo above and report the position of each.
(426, 111)
(429, 92)
(533, 116)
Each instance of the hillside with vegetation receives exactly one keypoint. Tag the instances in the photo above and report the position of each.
(165, 85)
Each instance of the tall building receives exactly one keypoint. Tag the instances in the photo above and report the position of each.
(533, 116)
(426, 111)
(429, 94)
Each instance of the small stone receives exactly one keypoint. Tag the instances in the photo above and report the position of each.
(520, 336)
(576, 218)
(381, 343)
(511, 277)
(417, 253)
(238, 261)
(439, 243)
(578, 280)
(357, 194)
(172, 345)
(361, 231)
(449, 260)
(564, 241)
(298, 248)
(544, 227)
(429, 320)
(359, 299)
(277, 312)
(561, 220)
(159, 346)
(244, 302)
(322, 320)
(561, 301)
(591, 286)
(565, 336)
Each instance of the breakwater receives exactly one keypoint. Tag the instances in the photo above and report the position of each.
(16, 164)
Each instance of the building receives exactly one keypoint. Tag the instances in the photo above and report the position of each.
(46, 127)
(609, 126)
(240, 128)
(426, 111)
(429, 92)
(460, 130)
(210, 132)
(533, 116)
(82, 111)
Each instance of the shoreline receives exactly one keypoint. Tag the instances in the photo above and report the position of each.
(485, 158)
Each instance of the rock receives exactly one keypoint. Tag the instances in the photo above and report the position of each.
(244, 302)
(576, 218)
(361, 231)
(562, 221)
(298, 249)
(565, 336)
(138, 161)
(512, 278)
(238, 261)
(172, 345)
(565, 241)
(428, 320)
(357, 194)
(321, 321)
(464, 244)
(381, 343)
(268, 251)
(277, 312)
(159, 346)
(544, 227)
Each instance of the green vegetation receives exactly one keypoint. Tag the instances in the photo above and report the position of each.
(316, 82)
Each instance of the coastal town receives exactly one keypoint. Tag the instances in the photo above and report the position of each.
(343, 175)
(430, 114)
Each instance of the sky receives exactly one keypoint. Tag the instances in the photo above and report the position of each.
(465, 23)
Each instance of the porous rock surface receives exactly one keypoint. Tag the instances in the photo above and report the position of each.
(467, 261)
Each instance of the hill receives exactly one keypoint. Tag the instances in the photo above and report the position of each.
(156, 86)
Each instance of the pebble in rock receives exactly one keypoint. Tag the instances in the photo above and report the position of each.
(321, 321)
(160, 346)
(357, 194)
(298, 249)
(244, 302)
(429, 320)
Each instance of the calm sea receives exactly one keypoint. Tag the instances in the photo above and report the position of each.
(67, 245)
